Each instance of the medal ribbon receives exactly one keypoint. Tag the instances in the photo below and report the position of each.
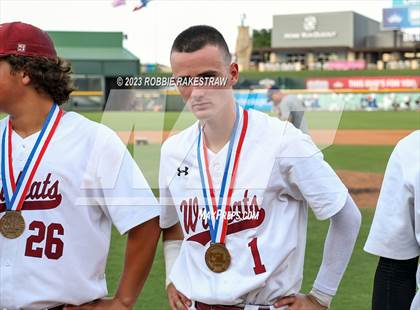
(218, 229)
(15, 194)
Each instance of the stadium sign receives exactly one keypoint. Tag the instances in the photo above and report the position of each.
(309, 26)
(402, 17)
(371, 83)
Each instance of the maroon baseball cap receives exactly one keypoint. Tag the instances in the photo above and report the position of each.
(25, 40)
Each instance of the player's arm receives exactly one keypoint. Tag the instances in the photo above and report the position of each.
(286, 108)
(395, 283)
(284, 112)
(140, 252)
(339, 244)
(169, 222)
(338, 247)
(172, 231)
(311, 179)
(127, 200)
(172, 241)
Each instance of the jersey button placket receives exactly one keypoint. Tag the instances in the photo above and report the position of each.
(9, 247)
(6, 273)
(217, 173)
(2, 279)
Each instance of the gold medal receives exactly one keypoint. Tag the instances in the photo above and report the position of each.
(217, 257)
(12, 225)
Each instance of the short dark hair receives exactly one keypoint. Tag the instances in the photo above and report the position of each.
(196, 37)
(48, 76)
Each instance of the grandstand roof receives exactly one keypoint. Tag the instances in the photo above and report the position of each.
(95, 52)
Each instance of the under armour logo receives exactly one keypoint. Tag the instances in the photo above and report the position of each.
(185, 171)
(21, 47)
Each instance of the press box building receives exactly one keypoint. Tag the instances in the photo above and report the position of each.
(337, 40)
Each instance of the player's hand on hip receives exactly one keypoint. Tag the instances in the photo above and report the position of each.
(177, 301)
(105, 303)
(298, 302)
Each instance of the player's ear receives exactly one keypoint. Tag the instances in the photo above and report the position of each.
(233, 73)
(26, 79)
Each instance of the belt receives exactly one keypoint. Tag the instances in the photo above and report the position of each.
(203, 306)
(61, 307)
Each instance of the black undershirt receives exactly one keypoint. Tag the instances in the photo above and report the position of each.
(395, 284)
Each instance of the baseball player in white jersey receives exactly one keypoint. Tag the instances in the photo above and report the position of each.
(395, 231)
(235, 187)
(64, 181)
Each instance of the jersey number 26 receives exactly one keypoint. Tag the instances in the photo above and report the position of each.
(53, 246)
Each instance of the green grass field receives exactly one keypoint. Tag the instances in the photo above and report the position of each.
(316, 120)
(124, 121)
(356, 287)
(358, 157)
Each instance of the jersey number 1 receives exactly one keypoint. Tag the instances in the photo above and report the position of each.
(259, 267)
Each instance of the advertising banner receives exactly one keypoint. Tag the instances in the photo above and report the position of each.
(377, 82)
(402, 17)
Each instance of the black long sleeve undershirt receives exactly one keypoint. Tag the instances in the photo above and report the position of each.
(395, 284)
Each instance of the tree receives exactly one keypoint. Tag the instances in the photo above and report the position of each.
(261, 38)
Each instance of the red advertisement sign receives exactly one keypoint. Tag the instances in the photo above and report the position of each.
(364, 82)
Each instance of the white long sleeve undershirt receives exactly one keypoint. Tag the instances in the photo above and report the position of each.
(338, 247)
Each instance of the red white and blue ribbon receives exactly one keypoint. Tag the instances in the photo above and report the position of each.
(15, 193)
(143, 3)
(219, 208)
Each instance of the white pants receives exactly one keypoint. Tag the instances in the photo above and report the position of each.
(248, 307)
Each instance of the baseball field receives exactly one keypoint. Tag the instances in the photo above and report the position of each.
(358, 151)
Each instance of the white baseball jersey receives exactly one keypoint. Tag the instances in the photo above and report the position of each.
(86, 182)
(280, 169)
(395, 231)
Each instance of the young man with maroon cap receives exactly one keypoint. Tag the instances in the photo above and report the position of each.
(64, 181)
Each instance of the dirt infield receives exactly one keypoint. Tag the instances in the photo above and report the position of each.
(320, 136)
(358, 137)
(364, 187)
